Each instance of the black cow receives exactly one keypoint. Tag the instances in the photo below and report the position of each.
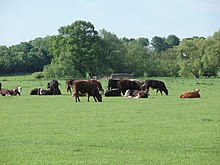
(155, 84)
(86, 87)
(54, 86)
(35, 91)
(113, 92)
(124, 85)
(46, 92)
(112, 84)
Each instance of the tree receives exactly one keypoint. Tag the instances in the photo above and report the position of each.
(172, 41)
(113, 52)
(143, 41)
(190, 55)
(159, 44)
(76, 45)
(211, 57)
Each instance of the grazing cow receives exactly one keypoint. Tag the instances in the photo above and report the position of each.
(194, 94)
(86, 87)
(112, 84)
(113, 92)
(35, 91)
(124, 85)
(11, 92)
(136, 94)
(155, 84)
(98, 84)
(69, 84)
(46, 92)
(54, 86)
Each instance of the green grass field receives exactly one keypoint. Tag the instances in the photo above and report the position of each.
(157, 130)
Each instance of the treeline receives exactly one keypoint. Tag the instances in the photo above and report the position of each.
(79, 51)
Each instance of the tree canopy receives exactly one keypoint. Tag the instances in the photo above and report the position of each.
(79, 50)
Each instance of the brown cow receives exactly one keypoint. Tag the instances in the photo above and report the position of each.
(98, 84)
(86, 87)
(11, 92)
(69, 84)
(194, 94)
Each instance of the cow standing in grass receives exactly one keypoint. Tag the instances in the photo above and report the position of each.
(69, 84)
(82, 87)
(155, 84)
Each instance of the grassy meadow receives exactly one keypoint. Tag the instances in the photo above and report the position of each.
(156, 130)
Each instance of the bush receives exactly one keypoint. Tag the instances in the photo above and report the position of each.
(38, 75)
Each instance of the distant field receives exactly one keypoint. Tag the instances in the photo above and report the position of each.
(157, 130)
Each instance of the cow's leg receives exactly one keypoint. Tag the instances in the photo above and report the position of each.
(76, 96)
(157, 91)
(94, 98)
(161, 91)
(88, 98)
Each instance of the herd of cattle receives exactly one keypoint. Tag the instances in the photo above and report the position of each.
(127, 88)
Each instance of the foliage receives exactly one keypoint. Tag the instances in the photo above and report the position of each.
(38, 75)
(79, 51)
(26, 57)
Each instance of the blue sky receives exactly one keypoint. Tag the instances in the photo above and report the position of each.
(24, 20)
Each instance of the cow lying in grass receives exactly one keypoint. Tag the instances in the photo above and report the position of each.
(194, 94)
(136, 94)
(10, 92)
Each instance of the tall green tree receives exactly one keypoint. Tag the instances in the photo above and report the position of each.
(113, 53)
(190, 57)
(211, 57)
(78, 46)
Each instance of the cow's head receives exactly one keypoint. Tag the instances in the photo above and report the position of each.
(99, 97)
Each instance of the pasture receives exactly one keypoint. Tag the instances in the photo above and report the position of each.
(156, 130)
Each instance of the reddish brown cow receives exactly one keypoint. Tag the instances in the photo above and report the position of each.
(11, 92)
(86, 87)
(98, 84)
(69, 84)
(194, 94)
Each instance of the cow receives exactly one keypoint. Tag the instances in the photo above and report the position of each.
(112, 84)
(194, 94)
(54, 86)
(124, 85)
(11, 92)
(136, 94)
(98, 84)
(69, 84)
(155, 84)
(35, 91)
(46, 92)
(113, 92)
(82, 86)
